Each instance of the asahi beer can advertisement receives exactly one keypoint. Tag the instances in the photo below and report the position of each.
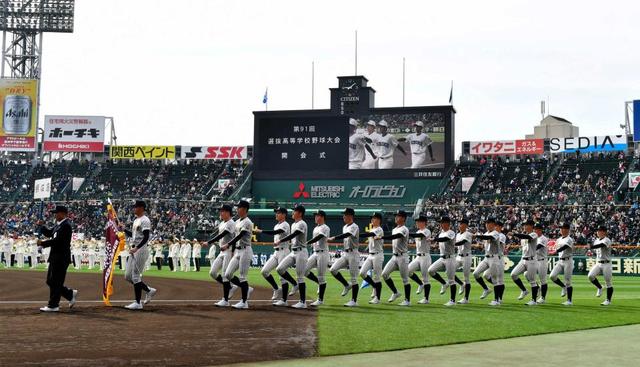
(19, 104)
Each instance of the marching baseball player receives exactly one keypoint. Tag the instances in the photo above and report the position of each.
(528, 263)
(350, 258)
(491, 240)
(298, 256)
(357, 146)
(174, 255)
(447, 241)
(400, 260)
(386, 145)
(158, 254)
(91, 253)
(320, 257)
(422, 261)
(7, 245)
(498, 271)
(464, 238)
(185, 256)
(375, 258)
(371, 137)
(196, 254)
(564, 248)
(19, 252)
(139, 234)
(76, 252)
(542, 252)
(226, 232)
(602, 247)
(32, 252)
(243, 254)
(280, 252)
(419, 143)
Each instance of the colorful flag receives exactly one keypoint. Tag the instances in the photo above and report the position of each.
(115, 242)
(265, 98)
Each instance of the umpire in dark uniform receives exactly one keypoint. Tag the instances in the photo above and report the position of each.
(59, 259)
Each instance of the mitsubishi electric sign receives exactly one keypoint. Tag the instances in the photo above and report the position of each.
(354, 192)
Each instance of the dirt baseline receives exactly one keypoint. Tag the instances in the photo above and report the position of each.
(166, 334)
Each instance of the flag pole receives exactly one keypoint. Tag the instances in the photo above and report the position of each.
(403, 81)
(312, 82)
(356, 52)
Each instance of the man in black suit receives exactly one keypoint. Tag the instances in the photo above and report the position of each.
(59, 259)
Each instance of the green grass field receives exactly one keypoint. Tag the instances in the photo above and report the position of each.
(390, 327)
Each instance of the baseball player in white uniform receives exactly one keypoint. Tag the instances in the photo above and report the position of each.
(602, 247)
(386, 146)
(542, 253)
(280, 251)
(20, 247)
(357, 146)
(528, 263)
(91, 252)
(174, 255)
(371, 137)
(400, 260)
(419, 143)
(298, 256)
(32, 252)
(243, 254)
(185, 256)
(491, 240)
(375, 259)
(139, 252)
(226, 232)
(447, 241)
(564, 248)
(350, 258)
(6, 245)
(422, 261)
(196, 253)
(158, 255)
(320, 257)
(464, 238)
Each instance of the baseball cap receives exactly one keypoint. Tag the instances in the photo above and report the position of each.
(445, 219)
(383, 123)
(499, 223)
(565, 226)
(464, 221)
(353, 122)
(376, 215)
(602, 228)
(280, 210)
(419, 123)
(401, 213)
(320, 213)
(300, 209)
(422, 218)
(528, 223)
(243, 204)
(491, 220)
(349, 211)
(60, 209)
(140, 204)
(371, 122)
(537, 226)
(226, 208)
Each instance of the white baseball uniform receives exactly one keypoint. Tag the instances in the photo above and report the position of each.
(400, 259)
(603, 261)
(320, 257)
(376, 256)
(357, 144)
(279, 252)
(241, 260)
(447, 259)
(221, 262)
(542, 254)
(463, 260)
(422, 261)
(528, 263)
(565, 260)
(137, 262)
(350, 258)
(418, 144)
(369, 161)
(299, 254)
(386, 146)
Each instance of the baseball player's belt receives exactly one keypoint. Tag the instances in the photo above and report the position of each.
(464, 255)
(318, 251)
(541, 259)
(527, 258)
(241, 247)
(421, 254)
(398, 253)
(604, 261)
(489, 256)
(373, 253)
(280, 248)
(296, 249)
(348, 250)
(565, 258)
(386, 157)
(445, 256)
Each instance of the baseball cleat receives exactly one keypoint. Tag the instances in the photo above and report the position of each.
(405, 303)
(222, 303)
(485, 293)
(463, 301)
(249, 293)
(277, 294)
(241, 305)
(444, 288)
(300, 305)
(134, 306)
(280, 303)
(541, 301)
(49, 309)
(494, 303)
(531, 303)
(233, 290)
(73, 301)
(567, 303)
(294, 290)
(522, 295)
(420, 289)
(423, 301)
(374, 301)
(351, 303)
(394, 297)
(605, 303)
(599, 292)
(149, 295)
(317, 303)
(564, 292)
(450, 303)
(345, 291)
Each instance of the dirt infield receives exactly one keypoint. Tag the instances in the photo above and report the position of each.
(165, 333)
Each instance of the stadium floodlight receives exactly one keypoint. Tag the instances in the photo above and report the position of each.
(22, 23)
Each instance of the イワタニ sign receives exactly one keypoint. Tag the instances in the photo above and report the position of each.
(502, 147)
(19, 111)
(587, 144)
(42, 188)
(74, 133)
(142, 152)
(634, 179)
(213, 152)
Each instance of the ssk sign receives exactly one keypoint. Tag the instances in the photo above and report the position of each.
(586, 144)
(74, 133)
(213, 152)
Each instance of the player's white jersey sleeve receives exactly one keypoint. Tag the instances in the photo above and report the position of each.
(356, 147)
(543, 251)
(321, 244)
(351, 242)
(300, 239)
(423, 245)
(386, 145)
(603, 253)
(285, 227)
(400, 245)
(376, 242)
(418, 143)
(569, 242)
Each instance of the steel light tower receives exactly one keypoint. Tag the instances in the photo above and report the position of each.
(22, 23)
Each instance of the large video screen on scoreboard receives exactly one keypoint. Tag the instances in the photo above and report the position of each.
(385, 143)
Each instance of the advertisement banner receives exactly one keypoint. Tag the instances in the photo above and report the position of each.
(218, 152)
(142, 152)
(587, 144)
(42, 188)
(19, 110)
(223, 183)
(634, 179)
(501, 147)
(636, 120)
(74, 133)
(467, 182)
(77, 183)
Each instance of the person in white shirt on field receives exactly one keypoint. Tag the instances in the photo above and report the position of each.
(386, 146)
(420, 143)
